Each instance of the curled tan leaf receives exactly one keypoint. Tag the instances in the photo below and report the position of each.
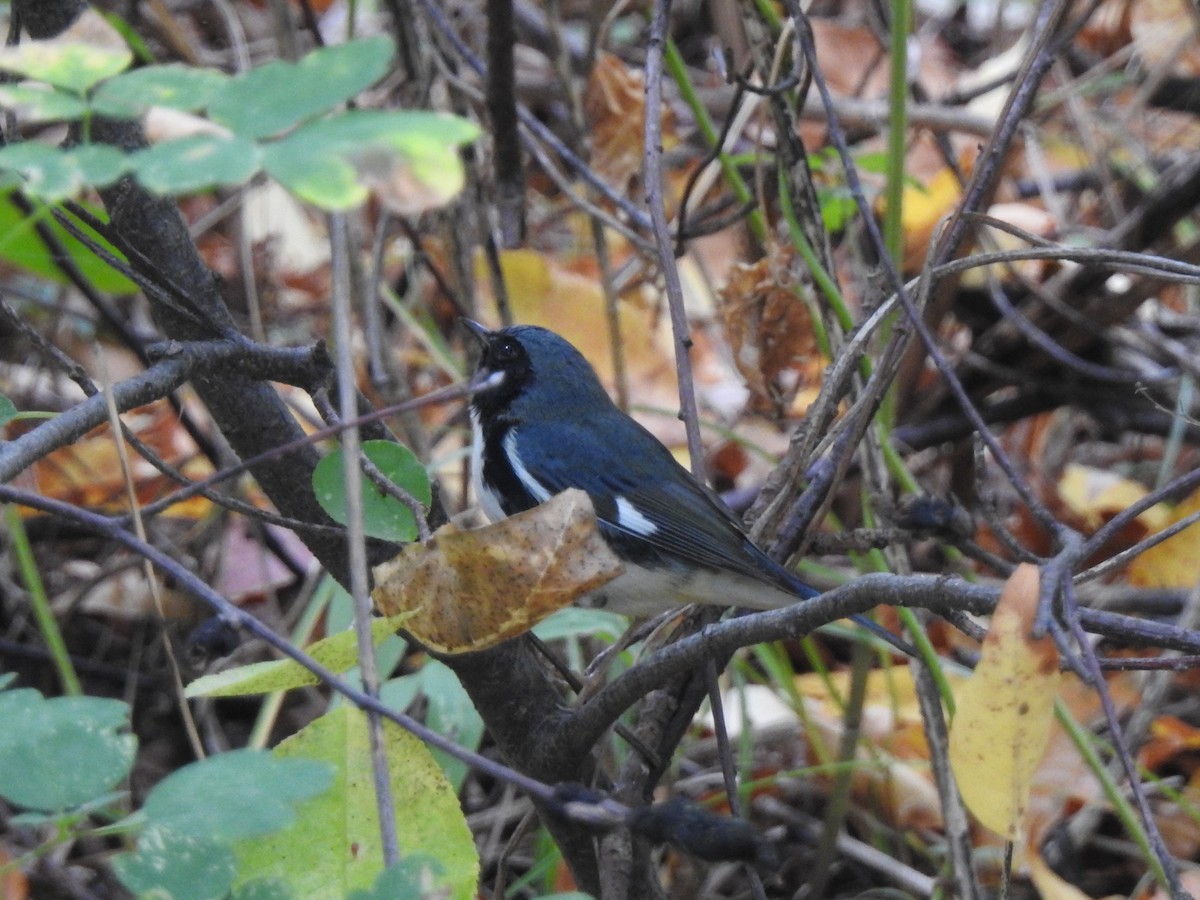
(470, 590)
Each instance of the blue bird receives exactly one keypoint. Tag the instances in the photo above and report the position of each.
(542, 423)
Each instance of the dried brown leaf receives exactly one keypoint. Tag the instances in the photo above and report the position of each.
(770, 333)
(473, 589)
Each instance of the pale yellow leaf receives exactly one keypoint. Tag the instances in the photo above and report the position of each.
(1096, 495)
(1175, 563)
(1005, 712)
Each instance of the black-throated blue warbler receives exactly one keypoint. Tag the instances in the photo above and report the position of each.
(543, 423)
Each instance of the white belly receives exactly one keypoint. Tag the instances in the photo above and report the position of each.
(648, 592)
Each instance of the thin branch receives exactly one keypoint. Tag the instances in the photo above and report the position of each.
(355, 536)
(652, 175)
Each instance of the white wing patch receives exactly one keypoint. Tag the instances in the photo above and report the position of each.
(536, 489)
(633, 519)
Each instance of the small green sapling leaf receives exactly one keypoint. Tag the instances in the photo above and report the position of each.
(384, 516)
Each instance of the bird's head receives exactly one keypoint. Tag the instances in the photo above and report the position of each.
(528, 371)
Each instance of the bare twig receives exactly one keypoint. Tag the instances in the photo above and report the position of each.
(356, 538)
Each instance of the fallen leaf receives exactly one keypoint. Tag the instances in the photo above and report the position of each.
(614, 104)
(88, 472)
(770, 333)
(545, 292)
(1108, 29)
(1006, 711)
(1096, 495)
(1189, 879)
(1027, 217)
(470, 590)
(923, 207)
(1175, 563)
(1169, 736)
(13, 883)
(1160, 41)
(1049, 885)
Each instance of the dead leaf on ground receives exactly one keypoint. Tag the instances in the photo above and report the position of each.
(614, 104)
(471, 590)
(1175, 563)
(770, 333)
(1093, 496)
(1189, 879)
(1006, 711)
(13, 883)
(88, 472)
(923, 207)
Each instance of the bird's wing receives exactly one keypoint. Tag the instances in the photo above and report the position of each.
(647, 500)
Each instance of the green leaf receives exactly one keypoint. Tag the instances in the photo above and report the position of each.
(334, 847)
(264, 889)
(107, 806)
(100, 164)
(410, 158)
(451, 712)
(337, 653)
(59, 753)
(243, 793)
(72, 67)
(8, 412)
(44, 171)
(413, 878)
(34, 103)
(196, 163)
(325, 179)
(279, 95)
(177, 866)
(384, 516)
(578, 621)
(175, 86)
(21, 246)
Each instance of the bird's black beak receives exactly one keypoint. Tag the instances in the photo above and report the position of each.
(479, 332)
(484, 377)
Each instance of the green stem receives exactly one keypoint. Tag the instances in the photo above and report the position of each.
(893, 233)
(673, 62)
(1084, 741)
(893, 229)
(40, 603)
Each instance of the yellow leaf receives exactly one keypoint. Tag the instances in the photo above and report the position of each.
(470, 590)
(1005, 712)
(922, 208)
(1096, 495)
(1175, 563)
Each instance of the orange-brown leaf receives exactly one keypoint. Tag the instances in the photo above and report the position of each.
(770, 333)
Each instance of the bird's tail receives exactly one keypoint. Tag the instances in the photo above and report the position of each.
(807, 591)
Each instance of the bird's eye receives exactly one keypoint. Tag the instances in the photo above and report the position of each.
(507, 351)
